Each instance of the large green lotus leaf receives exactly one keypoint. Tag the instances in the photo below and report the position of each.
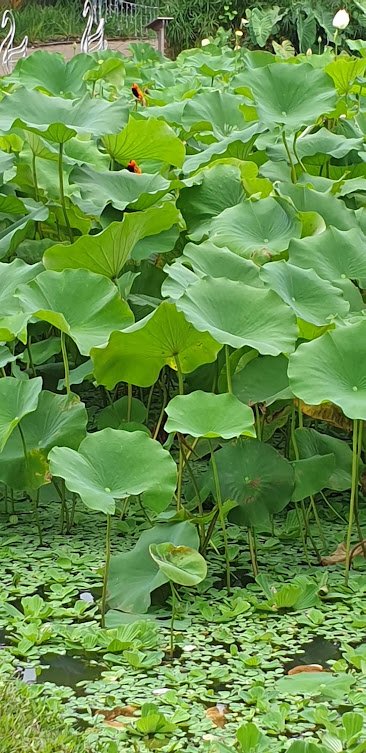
(13, 319)
(208, 259)
(213, 111)
(178, 278)
(307, 199)
(121, 189)
(18, 397)
(180, 564)
(203, 414)
(344, 71)
(310, 442)
(80, 303)
(237, 144)
(257, 477)
(134, 575)
(291, 95)
(107, 252)
(255, 225)
(331, 368)
(327, 143)
(116, 414)
(199, 203)
(52, 74)
(14, 233)
(262, 380)
(58, 119)
(112, 464)
(335, 254)
(57, 420)
(141, 140)
(312, 475)
(237, 314)
(138, 354)
(311, 297)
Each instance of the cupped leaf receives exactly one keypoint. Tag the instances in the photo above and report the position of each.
(138, 354)
(257, 477)
(311, 297)
(59, 119)
(291, 95)
(311, 442)
(180, 564)
(18, 397)
(107, 252)
(203, 414)
(141, 140)
(13, 319)
(238, 144)
(120, 189)
(82, 304)
(113, 464)
(262, 380)
(52, 74)
(312, 475)
(213, 261)
(237, 314)
(134, 575)
(57, 420)
(202, 201)
(118, 413)
(264, 226)
(331, 368)
(213, 111)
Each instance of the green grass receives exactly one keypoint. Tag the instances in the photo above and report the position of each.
(32, 725)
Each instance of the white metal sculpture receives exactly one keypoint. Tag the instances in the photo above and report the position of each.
(92, 42)
(11, 54)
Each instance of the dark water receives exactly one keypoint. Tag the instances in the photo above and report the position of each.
(318, 651)
(63, 670)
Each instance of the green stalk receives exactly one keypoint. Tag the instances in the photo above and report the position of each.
(258, 423)
(62, 192)
(221, 515)
(23, 443)
(36, 515)
(180, 475)
(317, 520)
(106, 568)
(180, 375)
(35, 181)
(293, 170)
(228, 370)
(66, 362)
(31, 364)
(354, 486)
(253, 550)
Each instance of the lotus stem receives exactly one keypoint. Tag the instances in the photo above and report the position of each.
(66, 362)
(289, 157)
(36, 515)
(253, 550)
(228, 370)
(62, 192)
(352, 504)
(23, 443)
(106, 568)
(221, 515)
(180, 375)
(317, 520)
(29, 351)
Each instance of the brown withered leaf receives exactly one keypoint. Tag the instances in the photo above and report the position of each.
(217, 714)
(326, 412)
(110, 715)
(340, 553)
(306, 668)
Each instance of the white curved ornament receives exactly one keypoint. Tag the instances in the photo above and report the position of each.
(10, 54)
(92, 42)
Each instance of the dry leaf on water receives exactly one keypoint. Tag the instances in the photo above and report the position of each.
(110, 715)
(217, 714)
(306, 668)
(340, 553)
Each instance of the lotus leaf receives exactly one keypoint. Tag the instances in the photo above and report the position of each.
(203, 414)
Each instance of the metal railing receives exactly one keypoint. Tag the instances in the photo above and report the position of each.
(134, 17)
